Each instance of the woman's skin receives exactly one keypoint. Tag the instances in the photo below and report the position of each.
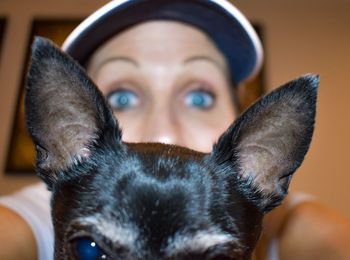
(167, 82)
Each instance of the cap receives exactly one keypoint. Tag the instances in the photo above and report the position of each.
(220, 20)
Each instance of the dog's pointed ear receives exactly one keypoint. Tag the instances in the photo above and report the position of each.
(269, 141)
(65, 112)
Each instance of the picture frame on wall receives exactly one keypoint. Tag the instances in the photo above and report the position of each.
(21, 154)
(2, 32)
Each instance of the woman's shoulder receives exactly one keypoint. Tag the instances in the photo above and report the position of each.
(29, 211)
(304, 228)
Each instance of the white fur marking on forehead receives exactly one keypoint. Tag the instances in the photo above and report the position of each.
(125, 235)
(198, 242)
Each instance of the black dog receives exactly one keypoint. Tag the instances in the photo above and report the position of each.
(114, 200)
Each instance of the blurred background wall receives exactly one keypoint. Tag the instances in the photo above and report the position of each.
(300, 36)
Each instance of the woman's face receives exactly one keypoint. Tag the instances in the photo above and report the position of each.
(167, 82)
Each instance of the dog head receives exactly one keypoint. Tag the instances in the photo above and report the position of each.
(114, 200)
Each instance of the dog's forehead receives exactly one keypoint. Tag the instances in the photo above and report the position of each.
(163, 161)
(158, 189)
(142, 166)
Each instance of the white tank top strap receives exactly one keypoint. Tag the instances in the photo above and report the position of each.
(272, 250)
(297, 198)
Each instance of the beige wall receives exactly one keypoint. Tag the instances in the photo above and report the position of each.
(314, 36)
(300, 37)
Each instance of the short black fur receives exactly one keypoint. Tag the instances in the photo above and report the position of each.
(158, 201)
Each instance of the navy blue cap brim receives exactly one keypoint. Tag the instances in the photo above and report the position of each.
(222, 22)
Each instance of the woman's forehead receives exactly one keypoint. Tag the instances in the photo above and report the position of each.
(158, 41)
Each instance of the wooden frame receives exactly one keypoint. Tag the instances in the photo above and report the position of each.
(2, 32)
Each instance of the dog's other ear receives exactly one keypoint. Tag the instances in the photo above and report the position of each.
(269, 141)
(65, 112)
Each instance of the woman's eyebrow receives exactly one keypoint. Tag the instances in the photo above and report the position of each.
(118, 58)
(113, 59)
(207, 58)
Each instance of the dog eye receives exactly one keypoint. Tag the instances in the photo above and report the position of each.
(87, 249)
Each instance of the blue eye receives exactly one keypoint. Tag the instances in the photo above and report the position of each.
(122, 99)
(87, 249)
(199, 99)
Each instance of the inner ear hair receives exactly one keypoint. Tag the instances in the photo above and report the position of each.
(65, 112)
(269, 141)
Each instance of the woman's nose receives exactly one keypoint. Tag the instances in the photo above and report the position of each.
(162, 126)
